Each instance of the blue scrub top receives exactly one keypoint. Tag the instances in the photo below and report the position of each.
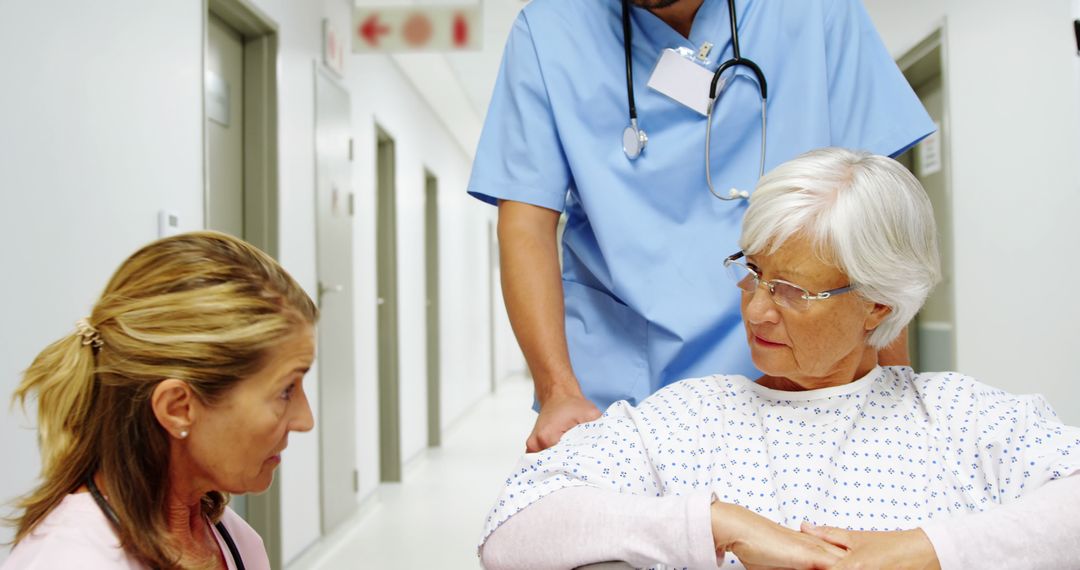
(647, 299)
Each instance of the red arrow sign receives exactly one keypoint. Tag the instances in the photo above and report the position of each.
(461, 31)
(370, 30)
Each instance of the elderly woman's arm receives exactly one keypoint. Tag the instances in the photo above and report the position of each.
(1041, 530)
(584, 525)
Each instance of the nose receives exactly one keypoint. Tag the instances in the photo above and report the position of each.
(760, 308)
(304, 420)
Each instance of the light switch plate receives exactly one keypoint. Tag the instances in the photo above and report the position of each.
(168, 223)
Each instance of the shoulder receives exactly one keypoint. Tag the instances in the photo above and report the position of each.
(694, 389)
(952, 394)
(837, 11)
(248, 542)
(571, 12)
(956, 387)
(552, 23)
(694, 393)
(74, 534)
(655, 414)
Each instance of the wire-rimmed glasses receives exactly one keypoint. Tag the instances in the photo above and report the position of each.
(784, 293)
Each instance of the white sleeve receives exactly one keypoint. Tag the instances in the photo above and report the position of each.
(583, 525)
(1039, 530)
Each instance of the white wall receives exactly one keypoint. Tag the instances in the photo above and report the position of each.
(100, 128)
(1012, 95)
(382, 96)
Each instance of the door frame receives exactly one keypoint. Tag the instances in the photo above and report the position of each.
(389, 385)
(921, 64)
(432, 308)
(260, 37)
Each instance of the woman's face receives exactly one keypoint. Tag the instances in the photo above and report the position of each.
(825, 345)
(236, 443)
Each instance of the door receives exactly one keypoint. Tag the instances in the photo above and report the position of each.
(337, 366)
(224, 83)
(240, 148)
(933, 332)
(387, 313)
(431, 266)
(224, 100)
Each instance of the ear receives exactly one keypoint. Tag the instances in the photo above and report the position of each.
(877, 314)
(173, 403)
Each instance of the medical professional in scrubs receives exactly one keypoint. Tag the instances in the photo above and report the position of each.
(642, 299)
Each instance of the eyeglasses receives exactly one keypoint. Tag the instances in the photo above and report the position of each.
(785, 294)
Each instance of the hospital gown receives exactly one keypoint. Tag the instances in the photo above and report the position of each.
(893, 450)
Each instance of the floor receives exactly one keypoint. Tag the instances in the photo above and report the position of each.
(434, 518)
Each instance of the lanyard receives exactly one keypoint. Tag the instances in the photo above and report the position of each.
(110, 514)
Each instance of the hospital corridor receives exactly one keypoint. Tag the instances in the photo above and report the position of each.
(451, 284)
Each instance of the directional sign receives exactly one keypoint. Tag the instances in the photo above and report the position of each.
(416, 28)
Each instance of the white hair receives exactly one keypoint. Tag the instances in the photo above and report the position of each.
(865, 215)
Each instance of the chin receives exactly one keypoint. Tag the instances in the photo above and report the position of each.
(258, 484)
(261, 484)
(767, 364)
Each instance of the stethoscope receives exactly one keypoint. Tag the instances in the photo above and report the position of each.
(110, 514)
(634, 138)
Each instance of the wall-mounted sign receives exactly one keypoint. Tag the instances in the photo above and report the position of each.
(416, 28)
(217, 98)
(928, 153)
(333, 52)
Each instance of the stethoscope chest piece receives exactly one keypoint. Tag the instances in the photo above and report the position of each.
(634, 140)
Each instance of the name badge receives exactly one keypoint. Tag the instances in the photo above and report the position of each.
(683, 80)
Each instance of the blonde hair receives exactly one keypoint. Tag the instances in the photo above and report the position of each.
(201, 307)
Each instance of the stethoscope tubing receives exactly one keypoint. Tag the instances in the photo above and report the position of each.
(634, 144)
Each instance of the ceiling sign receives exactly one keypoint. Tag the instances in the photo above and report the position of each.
(416, 28)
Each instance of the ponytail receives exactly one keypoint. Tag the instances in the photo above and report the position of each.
(62, 379)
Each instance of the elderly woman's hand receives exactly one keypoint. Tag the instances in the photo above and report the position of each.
(901, 550)
(761, 543)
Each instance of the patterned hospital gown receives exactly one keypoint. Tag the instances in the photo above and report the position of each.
(886, 452)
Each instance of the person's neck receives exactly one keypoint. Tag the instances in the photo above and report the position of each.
(680, 15)
(187, 526)
(184, 519)
(854, 367)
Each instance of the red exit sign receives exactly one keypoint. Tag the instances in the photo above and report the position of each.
(416, 28)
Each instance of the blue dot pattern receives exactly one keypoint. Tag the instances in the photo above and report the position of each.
(886, 452)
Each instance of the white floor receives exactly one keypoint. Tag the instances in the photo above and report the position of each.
(434, 519)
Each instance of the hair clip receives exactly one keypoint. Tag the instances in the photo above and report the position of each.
(90, 335)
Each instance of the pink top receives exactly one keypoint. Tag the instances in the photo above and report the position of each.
(76, 534)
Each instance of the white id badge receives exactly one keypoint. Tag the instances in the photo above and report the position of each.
(683, 80)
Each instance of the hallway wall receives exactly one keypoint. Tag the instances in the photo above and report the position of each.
(101, 127)
(1012, 93)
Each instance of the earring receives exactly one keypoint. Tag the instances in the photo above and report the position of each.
(183, 434)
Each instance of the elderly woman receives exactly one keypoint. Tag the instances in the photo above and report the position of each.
(906, 470)
(180, 387)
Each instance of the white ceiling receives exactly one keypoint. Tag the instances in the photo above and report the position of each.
(457, 85)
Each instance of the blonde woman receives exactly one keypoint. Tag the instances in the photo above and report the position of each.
(180, 388)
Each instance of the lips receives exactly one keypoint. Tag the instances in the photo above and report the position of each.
(276, 457)
(767, 342)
